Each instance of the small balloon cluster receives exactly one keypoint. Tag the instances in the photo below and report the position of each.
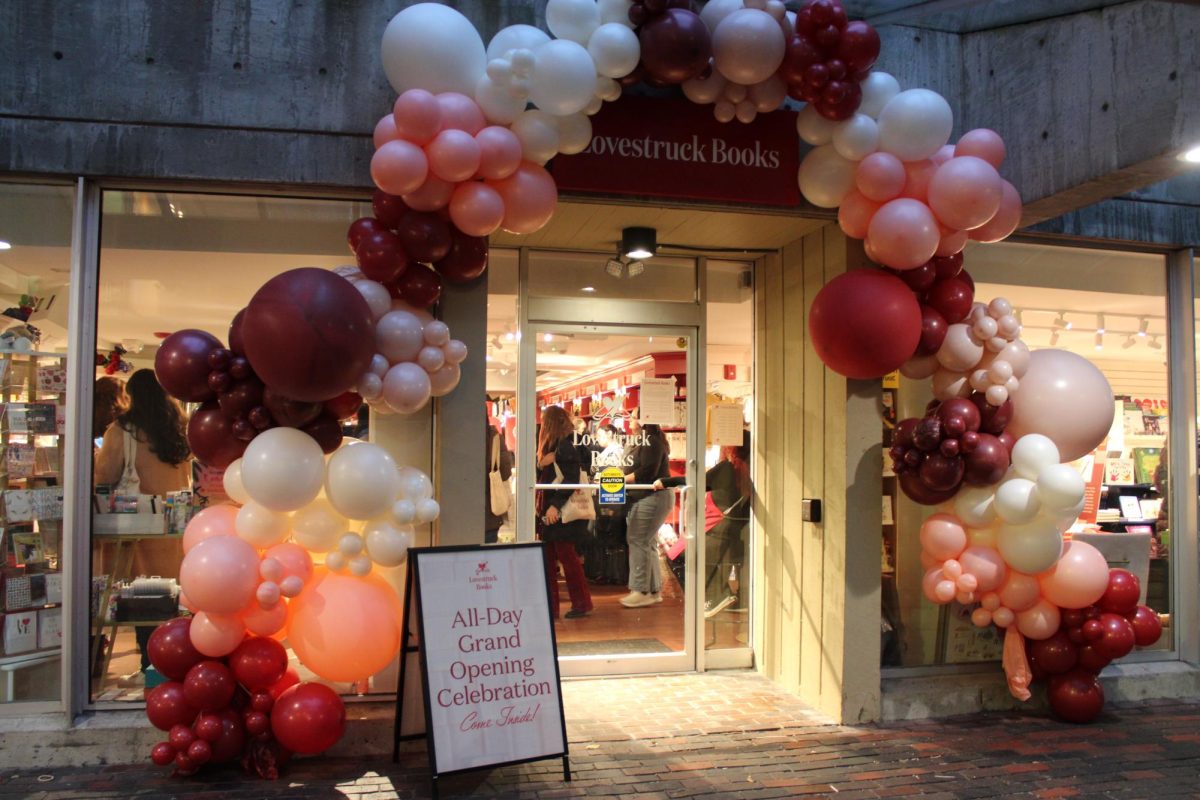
(113, 361)
(828, 57)
(249, 705)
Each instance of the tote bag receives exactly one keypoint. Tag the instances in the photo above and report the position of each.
(580, 505)
(130, 485)
(501, 493)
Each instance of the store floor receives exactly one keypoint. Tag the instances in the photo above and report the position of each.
(730, 735)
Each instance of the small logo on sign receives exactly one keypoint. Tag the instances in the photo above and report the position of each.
(481, 568)
(611, 408)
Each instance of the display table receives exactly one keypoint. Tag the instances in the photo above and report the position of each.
(10, 664)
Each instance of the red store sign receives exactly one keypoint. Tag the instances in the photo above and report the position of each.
(661, 147)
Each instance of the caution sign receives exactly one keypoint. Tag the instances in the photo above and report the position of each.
(612, 486)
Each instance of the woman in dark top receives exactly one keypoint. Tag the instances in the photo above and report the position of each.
(647, 512)
(557, 448)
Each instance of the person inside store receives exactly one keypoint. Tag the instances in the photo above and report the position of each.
(728, 481)
(109, 401)
(558, 462)
(649, 456)
(153, 429)
(499, 457)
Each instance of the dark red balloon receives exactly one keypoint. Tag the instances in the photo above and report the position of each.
(309, 334)
(166, 706)
(467, 259)
(288, 412)
(1008, 440)
(799, 56)
(992, 419)
(208, 727)
(289, 679)
(952, 297)
(919, 279)
(1076, 696)
(237, 345)
(962, 408)
(425, 236)
(388, 208)
(308, 718)
(360, 228)
(200, 752)
(219, 359)
(947, 266)
(258, 662)
(241, 397)
(344, 406)
(232, 739)
(933, 331)
(839, 100)
(987, 462)
(419, 286)
(162, 754)
(210, 435)
(170, 648)
(185, 766)
(676, 46)
(904, 431)
(966, 278)
(260, 418)
(1091, 658)
(209, 686)
(257, 723)
(181, 364)
(326, 430)
(927, 434)
(1121, 596)
(262, 701)
(941, 474)
(181, 737)
(1146, 626)
(381, 256)
(1055, 655)
(864, 323)
(1118, 638)
(858, 46)
(912, 485)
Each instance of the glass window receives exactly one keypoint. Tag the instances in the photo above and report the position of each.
(589, 275)
(35, 264)
(1109, 307)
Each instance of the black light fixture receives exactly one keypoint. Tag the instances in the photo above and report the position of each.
(639, 243)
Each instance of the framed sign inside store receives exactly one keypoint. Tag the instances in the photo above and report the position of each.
(479, 637)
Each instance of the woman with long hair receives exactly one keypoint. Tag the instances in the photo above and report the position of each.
(556, 448)
(647, 512)
(158, 426)
(109, 401)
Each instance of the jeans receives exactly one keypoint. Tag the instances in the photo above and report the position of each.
(577, 588)
(645, 517)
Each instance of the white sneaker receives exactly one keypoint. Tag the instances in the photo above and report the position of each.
(711, 611)
(657, 596)
(637, 600)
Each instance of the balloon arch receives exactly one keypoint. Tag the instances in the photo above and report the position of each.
(460, 155)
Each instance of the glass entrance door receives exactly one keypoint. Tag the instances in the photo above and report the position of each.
(607, 413)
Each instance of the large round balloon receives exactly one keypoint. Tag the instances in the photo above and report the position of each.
(362, 481)
(170, 648)
(258, 663)
(308, 718)
(309, 333)
(210, 437)
(1066, 398)
(166, 706)
(865, 323)
(433, 47)
(283, 469)
(220, 574)
(345, 628)
(676, 46)
(181, 365)
(1079, 577)
(1076, 696)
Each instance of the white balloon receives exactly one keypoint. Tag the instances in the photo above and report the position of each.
(335, 561)
(380, 365)
(260, 526)
(436, 333)
(959, 351)
(317, 527)
(748, 46)
(399, 336)
(724, 110)
(377, 297)
(414, 484)
(615, 11)
(915, 124)
(515, 37)
(1017, 501)
(614, 49)
(432, 47)
(826, 177)
(387, 543)
(703, 91)
(456, 351)
(362, 481)
(975, 506)
(370, 386)
(574, 133)
(497, 102)
(1032, 547)
(538, 133)
(595, 105)
(360, 566)
(404, 511)
(877, 89)
(813, 128)
(1032, 453)
(607, 89)
(572, 19)
(1060, 487)
(283, 469)
(427, 510)
(564, 77)
(351, 544)
(715, 12)
(768, 95)
(857, 137)
(233, 483)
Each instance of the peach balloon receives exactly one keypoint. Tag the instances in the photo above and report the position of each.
(294, 559)
(476, 209)
(986, 564)
(417, 116)
(930, 582)
(530, 197)
(220, 574)
(460, 112)
(212, 521)
(345, 628)
(1006, 220)
(186, 603)
(904, 233)
(266, 622)
(1020, 592)
(385, 130)
(880, 177)
(1003, 617)
(917, 175)
(942, 536)
(432, 195)
(965, 192)
(982, 143)
(216, 635)
(854, 214)
(951, 243)
(499, 152)
(1078, 579)
(399, 167)
(453, 155)
(943, 155)
(1039, 622)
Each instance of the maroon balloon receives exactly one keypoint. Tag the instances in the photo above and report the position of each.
(344, 406)
(199, 752)
(181, 736)
(919, 279)
(676, 46)
(1076, 696)
(257, 723)
(208, 727)
(941, 474)
(962, 408)
(858, 46)
(309, 334)
(927, 434)
(219, 359)
(1146, 626)
(258, 662)
(181, 364)
(1008, 440)
(966, 278)
(308, 718)
(947, 266)
(952, 297)
(209, 686)
(1055, 655)
(933, 331)
(419, 286)
(467, 259)
(1091, 658)
(381, 256)
(232, 740)
(288, 412)
(237, 345)
(163, 754)
(1121, 596)
(166, 706)
(987, 462)
(425, 236)
(360, 228)
(210, 436)
(262, 701)
(170, 648)
(904, 431)
(993, 419)
(388, 208)
(799, 56)
(326, 431)
(839, 100)
(912, 485)
(1118, 638)
(241, 398)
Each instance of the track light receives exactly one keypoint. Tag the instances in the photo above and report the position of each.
(1099, 323)
(636, 268)
(1143, 325)
(1053, 338)
(1099, 340)
(614, 267)
(1129, 342)
(1061, 321)
(1154, 343)
(639, 242)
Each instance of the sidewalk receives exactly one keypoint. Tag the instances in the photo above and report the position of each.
(732, 735)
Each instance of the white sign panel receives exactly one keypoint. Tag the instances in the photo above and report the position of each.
(491, 667)
(725, 424)
(656, 403)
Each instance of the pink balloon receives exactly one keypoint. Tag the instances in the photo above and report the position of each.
(965, 192)
(432, 195)
(399, 167)
(982, 143)
(944, 154)
(1078, 579)
(345, 628)
(220, 574)
(1039, 622)
(444, 380)
(216, 635)
(266, 622)
(928, 561)
(986, 564)
(904, 233)
(1006, 220)
(294, 559)
(453, 155)
(854, 214)
(917, 175)
(406, 387)
(476, 209)
(186, 603)
(212, 521)
(951, 243)
(930, 582)
(268, 594)
(499, 152)
(530, 197)
(1020, 592)
(1065, 397)
(460, 112)
(942, 536)
(1003, 617)
(981, 618)
(417, 116)
(880, 177)
(385, 130)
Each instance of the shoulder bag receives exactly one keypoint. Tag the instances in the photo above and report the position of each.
(501, 494)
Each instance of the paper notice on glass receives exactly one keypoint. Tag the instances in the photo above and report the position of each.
(725, 424)
(657, 402)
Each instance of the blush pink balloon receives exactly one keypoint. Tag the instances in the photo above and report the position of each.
(220, 574)
(1039, 622)
(499, 152)
(986, 564)
(216, 635)
(212, 521)
(1020, 592)
(1003, 617)
(951, 243)
(460, 112)
(432, 195)
(186, 603)
(266, 622)
(880, 177)
(1006, 220)
(917, 175)
(904, 233)
(417, 116)
(1078, 579)
(443, 381)
(982, 143)
(406, 387)
(294, 559)
(942, 536)
(453, 155)
(476, 209)
(929, 584)
(965, 192)
(385, 130)
(854, 214)
(928, 561)
(530, 197)
(399, 167)
(944, 154)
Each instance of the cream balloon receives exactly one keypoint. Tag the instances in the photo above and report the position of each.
(615, 50)
(387, 543)
(574, 133)
(574, 20)
(948, 383)
(1060, 487)
(814, 128)
(317, 527)
(262, 526)
(414, 485)
(432, 47)
(1030, 548)
(877, 89)
(1032, 453)
(1066, 398)
(748, 46)
(615, 11)
(857, 137)
(283, 469)
(404, 511)
(960, 351)
(515, 37)
(362, 481)
(1017, 501)
(975, 506)
(232, 482)
(564, 76)
(538, 133)
(915, 124)
(427, 510)
(360, 566)
(826, 176)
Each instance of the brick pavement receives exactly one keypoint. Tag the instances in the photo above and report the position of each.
(733, 735)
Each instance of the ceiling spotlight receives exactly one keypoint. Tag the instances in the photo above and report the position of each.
(1143, 326)
(509, 336)
(636, 268)
(1099, 323)
(1061, 321)
(1053, 338)
(1191, 156)
(639, 242)
(1154, 343)
(588, 289)
(4, 245)
(614, 267)
(1129, 342)
(549, 337)
(1099, 340)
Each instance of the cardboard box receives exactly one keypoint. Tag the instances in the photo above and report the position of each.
(20, 632)
(49, 629)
